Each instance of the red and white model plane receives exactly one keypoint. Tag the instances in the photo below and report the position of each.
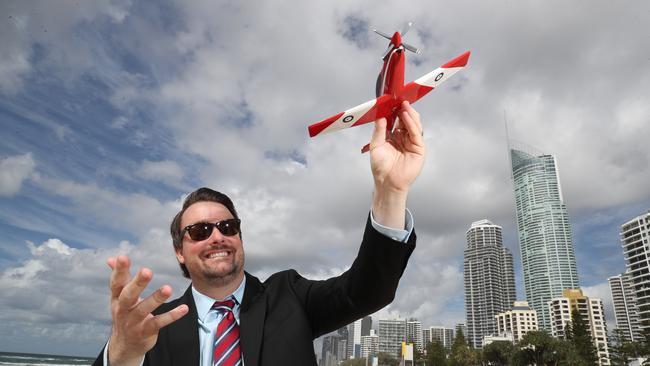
(391, 90)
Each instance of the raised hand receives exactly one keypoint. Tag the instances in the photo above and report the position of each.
(396, 159)
(135, 329)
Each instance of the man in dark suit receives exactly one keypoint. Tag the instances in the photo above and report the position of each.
(272, 322)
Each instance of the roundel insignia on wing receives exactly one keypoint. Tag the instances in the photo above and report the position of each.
(348, 118)
(439, 76)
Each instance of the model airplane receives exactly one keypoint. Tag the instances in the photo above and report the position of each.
(391, 90)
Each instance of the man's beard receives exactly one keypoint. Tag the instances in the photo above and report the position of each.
(220, 278)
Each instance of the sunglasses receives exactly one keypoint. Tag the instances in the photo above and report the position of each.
(203, 230)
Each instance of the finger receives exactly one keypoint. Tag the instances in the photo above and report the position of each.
(146, 306)
(379, 134)
(131, 292)
(410, 120)
(120, 275)
(154, 324)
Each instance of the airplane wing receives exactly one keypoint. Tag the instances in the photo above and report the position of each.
(420, 87)
(386, 104)
(355, 116)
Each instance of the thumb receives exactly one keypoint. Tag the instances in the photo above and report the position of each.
(379, 134)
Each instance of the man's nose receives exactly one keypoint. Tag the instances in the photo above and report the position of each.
(216, 236)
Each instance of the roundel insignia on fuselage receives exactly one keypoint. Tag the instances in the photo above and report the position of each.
(439, 76)
(348, 118)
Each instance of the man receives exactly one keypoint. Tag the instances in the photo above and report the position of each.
(272, 322)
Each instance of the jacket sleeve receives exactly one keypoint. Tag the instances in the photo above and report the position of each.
(369, 284)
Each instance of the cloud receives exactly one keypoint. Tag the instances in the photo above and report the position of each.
(192, 96)
(61, 292)
(26, 28)
(166, 171)
(14, 170)
(12, 68)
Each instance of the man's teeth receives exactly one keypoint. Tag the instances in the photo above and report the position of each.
(217, 254)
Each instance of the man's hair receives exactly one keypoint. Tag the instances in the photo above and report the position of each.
(200, 195)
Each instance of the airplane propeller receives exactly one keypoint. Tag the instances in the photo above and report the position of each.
(407, 46)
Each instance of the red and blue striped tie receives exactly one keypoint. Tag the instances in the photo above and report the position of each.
(226, 340)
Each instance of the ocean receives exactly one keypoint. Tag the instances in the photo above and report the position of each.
(30, 359)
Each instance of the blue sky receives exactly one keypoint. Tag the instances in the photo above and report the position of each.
(111, 112)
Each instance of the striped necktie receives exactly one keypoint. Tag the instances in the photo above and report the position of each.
(226, 340)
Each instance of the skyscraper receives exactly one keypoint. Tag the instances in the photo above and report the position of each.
(545, 241)
(489, 280)
(334, 348)
(625, 311)
(356, 330)
(635, 239)
(366, 325)
(354, 339)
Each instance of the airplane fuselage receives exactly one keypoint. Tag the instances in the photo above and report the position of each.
(391, 78)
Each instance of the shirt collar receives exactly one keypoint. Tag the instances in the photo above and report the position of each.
(204, 303)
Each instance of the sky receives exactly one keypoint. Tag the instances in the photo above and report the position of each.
(111, 112)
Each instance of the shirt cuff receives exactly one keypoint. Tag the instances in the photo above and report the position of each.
(105, 358)
(395, 234)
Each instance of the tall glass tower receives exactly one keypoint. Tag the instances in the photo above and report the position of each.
(545, 241)
(489, 280)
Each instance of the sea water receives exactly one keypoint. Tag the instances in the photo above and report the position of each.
(30, 359)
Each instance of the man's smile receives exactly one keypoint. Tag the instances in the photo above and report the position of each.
(220, 253)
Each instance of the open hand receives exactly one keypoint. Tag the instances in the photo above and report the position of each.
(135, 329)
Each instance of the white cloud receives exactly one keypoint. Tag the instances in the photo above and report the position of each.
(229, 87)
(61, 290)
(55, 245)
(14, 170)
(27, 24)
(13, 66)
(165, 171)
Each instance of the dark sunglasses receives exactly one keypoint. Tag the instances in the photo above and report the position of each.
(203, 230)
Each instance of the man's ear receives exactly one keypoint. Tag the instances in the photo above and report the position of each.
(179, 255)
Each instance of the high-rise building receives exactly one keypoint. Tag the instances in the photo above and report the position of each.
(369, 344)
(334, 348)
(460, 327)
(426, 337)
(366, 325)
(392, 332)
(635, 239)
(355, 330)
(592, 312)
(489, 280)
(545, 240)
(625, 311)
(414, 333)
(443, 335)
(517, 321)
(354, 340)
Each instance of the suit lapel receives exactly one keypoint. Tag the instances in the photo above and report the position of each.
(251, 319)
(184, 339)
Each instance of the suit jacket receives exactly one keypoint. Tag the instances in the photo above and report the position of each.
(280, 317)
